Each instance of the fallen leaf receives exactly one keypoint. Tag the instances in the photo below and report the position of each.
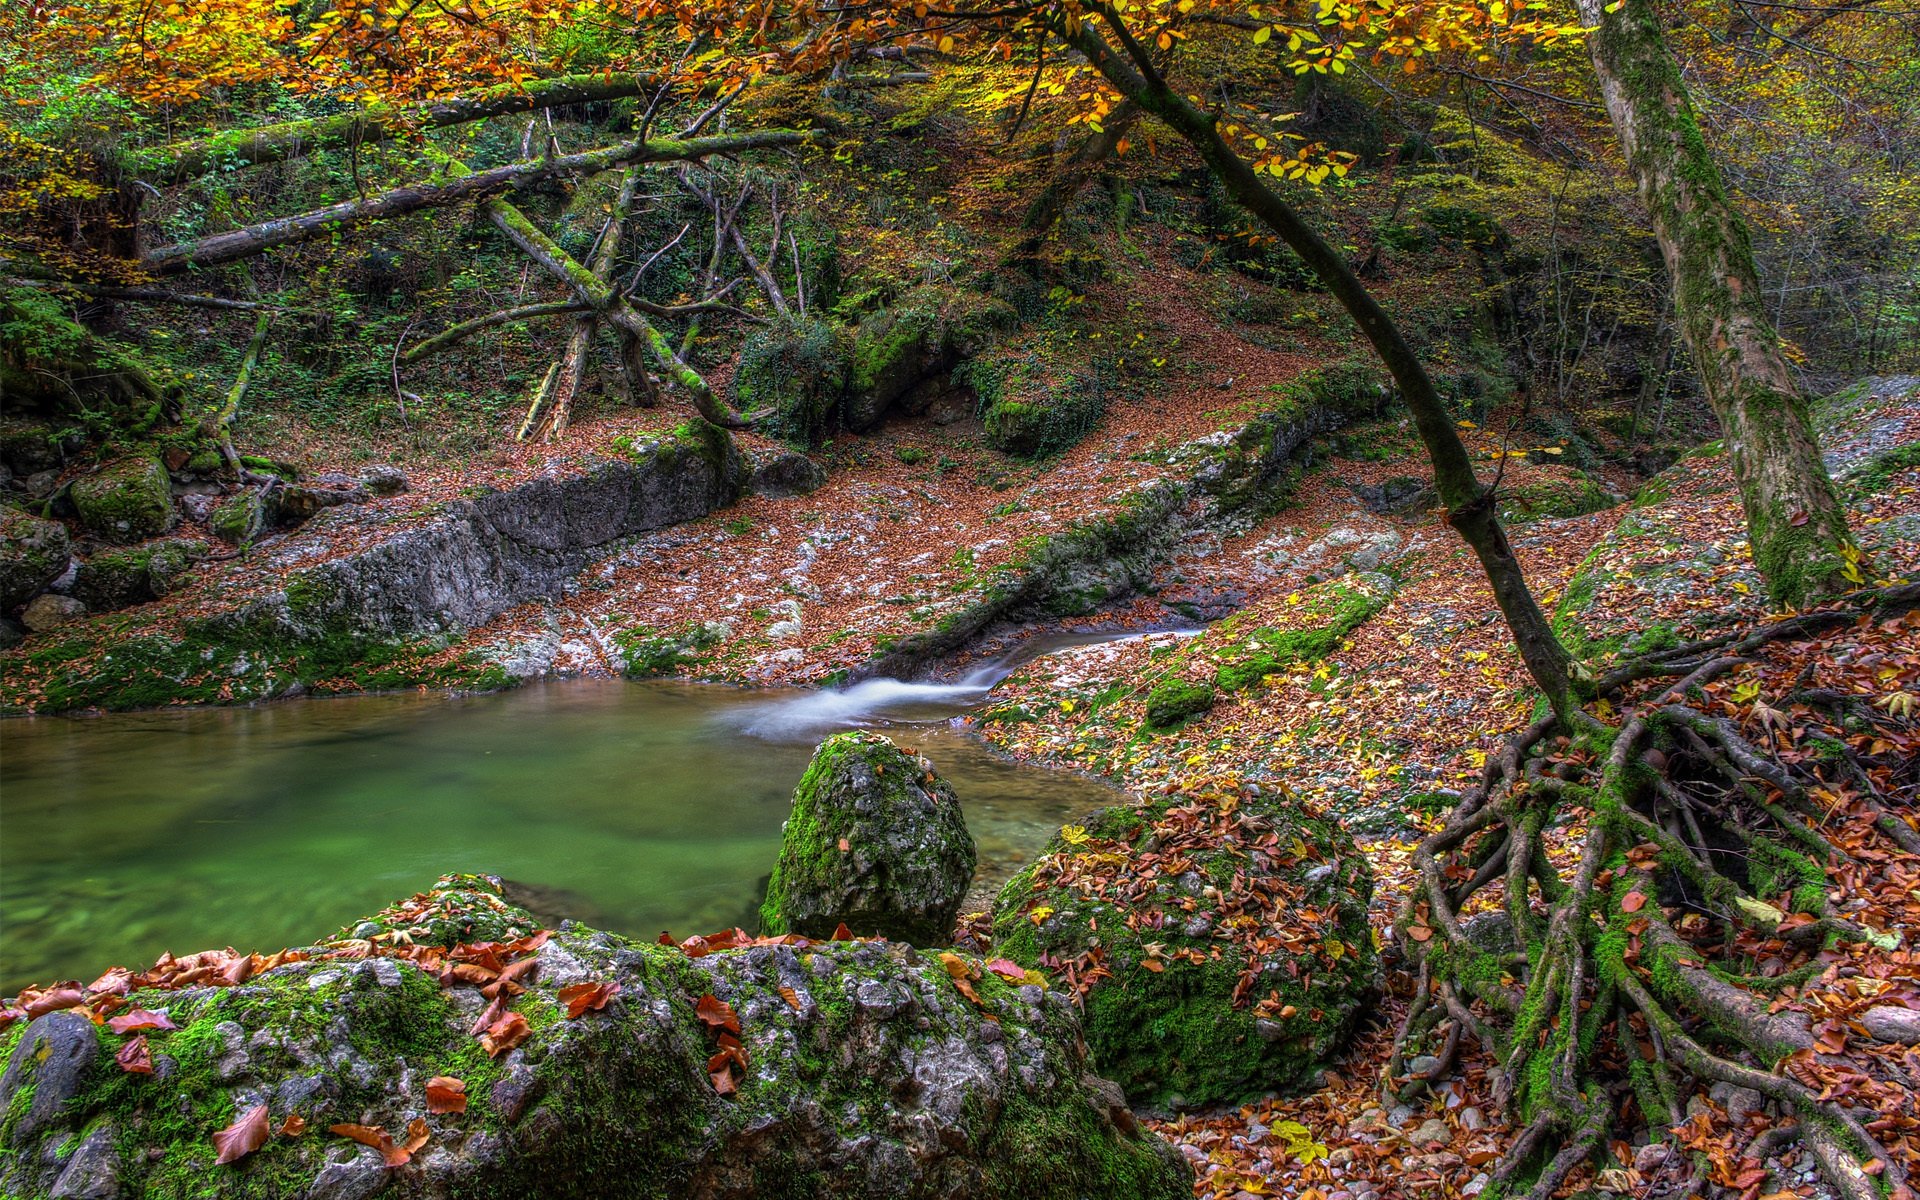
(294, 1125)
(581, 997)
(134, 1058)
(506, 1033)
(53, 1001)
(138, 1019)
(417, 1135)
(792, 998)
(716, 1013)
(841, 933)
(243, 1137)
(445, 1094)
(1633, 902)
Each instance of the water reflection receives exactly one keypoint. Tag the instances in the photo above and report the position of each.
(128, 835)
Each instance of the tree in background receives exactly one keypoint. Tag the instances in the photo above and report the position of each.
(1795, 523)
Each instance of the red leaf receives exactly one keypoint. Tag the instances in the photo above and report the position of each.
(1419, 933)
(417, 1135)
(580, 997)
(1008, 970)
(723, 1082)
(1633, 902)
(134, 1058)
(65, 996)
(445, 1094)
(506, 1033)
(138, 1019)
(716, 1013)
(841, 933)
(243, 1137)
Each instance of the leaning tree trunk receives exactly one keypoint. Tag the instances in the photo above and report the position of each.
(1051, 204)
(1470, 504)
(1794, 519)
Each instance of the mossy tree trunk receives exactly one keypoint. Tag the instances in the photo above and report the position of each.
(1794, 519)
(1470, 504)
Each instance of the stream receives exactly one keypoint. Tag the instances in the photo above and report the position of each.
(636, 807)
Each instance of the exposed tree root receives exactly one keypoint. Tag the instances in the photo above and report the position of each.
(1603, 988)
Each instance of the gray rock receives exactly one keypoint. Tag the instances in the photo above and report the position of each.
(786, 474)
(1738, 1101)
(48, 611)
(33, 553)
(362, 1176)
(114, 579)
(1891, 1023)
(297, 503)
(1401, 495)
(53, 1058)
(875, 840)
(93, 1171)
(1431, 1133)
(384, 480)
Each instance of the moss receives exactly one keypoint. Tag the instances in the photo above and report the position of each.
(127, 501)
(1322, 621)
(651, 653)
(1190, 1030)
(794, 374)
(1173, 701)
(1574, 495)
(1879, 471)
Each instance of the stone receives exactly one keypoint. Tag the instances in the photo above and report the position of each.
(239, 518)
(1402, 495)
(296, 503)
(921, 336)
(1892, 1023)
(126, 501)
(925, 1094)
(114, 579)
(1738, 1101)
(1431, 1134)
(383, 479)
(93, 1171)
(786, 474)
(48, 611)
(1194, 1028)
(875, 840)
(33, 553)
(54, 1059)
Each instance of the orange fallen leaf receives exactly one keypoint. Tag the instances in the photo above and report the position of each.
(716, 1013)
(445, 1094)
(580, 997)
(247, 1134)
(134, 1057)
(504, 1034)
(294, 1125)
(1633, 902)
(792, 998)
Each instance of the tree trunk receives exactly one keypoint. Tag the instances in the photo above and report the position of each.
(1047, 208)
(237, 244)
(1470, 505)
(550, 420)
(603, 299)
(178, 162)
(1795, 522)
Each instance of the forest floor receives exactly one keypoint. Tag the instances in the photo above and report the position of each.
(1386, 728)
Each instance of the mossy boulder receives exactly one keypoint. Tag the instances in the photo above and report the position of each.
(1224, 936)
(114, 579)
(1570, 494)
(126, 501)
(793, 375)
(33, 553)
(863, 1070)
(239, 518)
(923, 334)
(1172, 701)
(876, 841)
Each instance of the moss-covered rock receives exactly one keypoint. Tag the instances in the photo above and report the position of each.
(924, 333)
(864, 1070)
(794, 375)
(1222, 938)
(126, 501)
(1174, 700)
(33, 553)
(1315, 626)
(1568, 494)
(239, 518)
(875, 840)
(115, 579)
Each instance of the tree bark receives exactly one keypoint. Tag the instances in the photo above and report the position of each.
(178, 162)
(1470, 504)
(238, 244)
(1795, 522)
